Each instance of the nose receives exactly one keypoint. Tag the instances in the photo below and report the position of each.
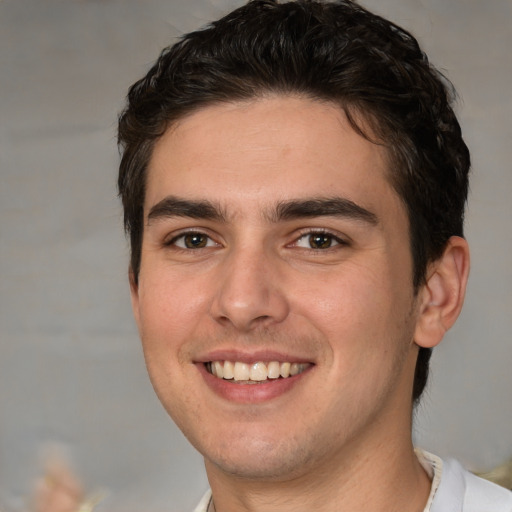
(250, 293)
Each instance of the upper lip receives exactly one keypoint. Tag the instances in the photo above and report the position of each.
(250, 357)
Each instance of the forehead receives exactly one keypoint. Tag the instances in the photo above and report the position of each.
(254, 153)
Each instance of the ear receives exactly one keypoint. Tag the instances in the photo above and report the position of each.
(134, 294)
(442, 296)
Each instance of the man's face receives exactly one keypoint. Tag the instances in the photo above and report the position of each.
(273, 241)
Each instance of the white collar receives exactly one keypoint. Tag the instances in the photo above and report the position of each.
(433, 465)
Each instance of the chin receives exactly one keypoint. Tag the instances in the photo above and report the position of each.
(258, 468)
(260, 460)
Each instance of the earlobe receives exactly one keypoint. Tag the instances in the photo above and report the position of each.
(442, 296)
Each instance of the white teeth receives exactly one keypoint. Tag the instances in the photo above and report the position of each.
(255, 372)
(241, 371)
(229, 368)
(258, 372)
(218, 369)
(274, 370)
(294, 369)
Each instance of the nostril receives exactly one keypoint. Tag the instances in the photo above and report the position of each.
(248, 300)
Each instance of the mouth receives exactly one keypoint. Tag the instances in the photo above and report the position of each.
(254, 373)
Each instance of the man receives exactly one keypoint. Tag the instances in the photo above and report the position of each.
(294, 180)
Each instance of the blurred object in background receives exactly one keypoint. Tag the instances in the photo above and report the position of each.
(502, 475)
(59, 490)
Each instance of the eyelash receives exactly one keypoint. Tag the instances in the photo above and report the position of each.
(334, 240)
(174, 240)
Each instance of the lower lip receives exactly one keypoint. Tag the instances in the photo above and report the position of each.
(250, 393)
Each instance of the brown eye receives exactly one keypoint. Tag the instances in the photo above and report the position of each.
(193, 240)
(320, 241)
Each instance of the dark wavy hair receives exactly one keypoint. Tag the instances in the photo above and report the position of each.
(334, 51)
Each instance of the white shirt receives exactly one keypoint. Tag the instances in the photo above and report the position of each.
(456, 490)
(453, 489)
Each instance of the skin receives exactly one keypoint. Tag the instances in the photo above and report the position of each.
(258, 290)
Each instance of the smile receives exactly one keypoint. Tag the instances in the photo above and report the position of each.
(254, 373)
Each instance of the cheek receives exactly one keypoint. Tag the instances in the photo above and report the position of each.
(361, 314)
(170, 311)
(353, 299)
(170, 308)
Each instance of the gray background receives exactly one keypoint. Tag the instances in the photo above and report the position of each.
(71, 369)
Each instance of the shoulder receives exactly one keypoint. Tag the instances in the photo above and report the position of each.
(461, 490)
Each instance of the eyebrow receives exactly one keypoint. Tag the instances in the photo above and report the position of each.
(174, 207)
(323, 207)
(285, 210)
